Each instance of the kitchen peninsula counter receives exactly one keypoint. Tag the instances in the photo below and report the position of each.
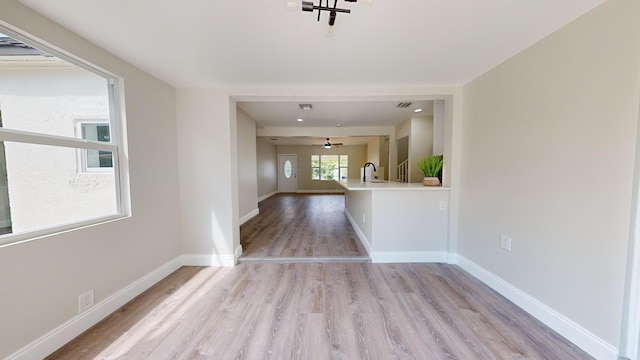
(399, 222)
(353, 184)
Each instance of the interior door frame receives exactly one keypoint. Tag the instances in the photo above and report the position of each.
(295, 171)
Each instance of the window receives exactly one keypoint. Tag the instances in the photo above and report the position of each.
(95, 160)
(59, 146)
(329, 167)
(288, 169)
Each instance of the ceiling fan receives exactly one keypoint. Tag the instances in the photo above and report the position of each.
(329, 145)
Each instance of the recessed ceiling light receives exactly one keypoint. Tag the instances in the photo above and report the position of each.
(338, 125)
(299, 120)
(417, 110)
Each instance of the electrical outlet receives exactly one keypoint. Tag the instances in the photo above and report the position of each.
(85, 301)
(443, 206)
(505, 242)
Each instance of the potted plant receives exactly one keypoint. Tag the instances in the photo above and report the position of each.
(430, 166)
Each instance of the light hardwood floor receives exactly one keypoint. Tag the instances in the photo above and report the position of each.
(320, 311)
(317, 310)
(299, 226)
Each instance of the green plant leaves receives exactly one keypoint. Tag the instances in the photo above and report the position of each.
(430, 165)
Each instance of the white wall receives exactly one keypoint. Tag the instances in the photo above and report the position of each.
(41, 279)
(267, 159)
(547, 158)
(247, 165)
(420, 144)
(373, 151)
(208, 176)
(438, 126)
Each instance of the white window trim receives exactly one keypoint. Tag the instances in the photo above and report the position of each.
(117, 146)
(320, 167)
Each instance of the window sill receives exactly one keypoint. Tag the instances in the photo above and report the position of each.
(20, 238)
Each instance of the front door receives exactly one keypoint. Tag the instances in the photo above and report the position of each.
(287, 173)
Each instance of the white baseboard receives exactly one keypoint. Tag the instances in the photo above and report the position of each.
(208, 260)
(363, 239)
(320, 191)
(249, 216)
(265, 197)
(408, 256)
(580, 336)
(66, 332)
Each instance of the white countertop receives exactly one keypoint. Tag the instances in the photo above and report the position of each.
(356, 184)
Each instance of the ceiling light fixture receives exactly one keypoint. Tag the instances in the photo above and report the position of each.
(299, 120)
(333, 10)
(417, 110)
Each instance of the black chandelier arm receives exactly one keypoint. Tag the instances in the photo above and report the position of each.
(312, 7)
(333, 11)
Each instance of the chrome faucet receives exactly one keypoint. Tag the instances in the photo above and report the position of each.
(364, 172)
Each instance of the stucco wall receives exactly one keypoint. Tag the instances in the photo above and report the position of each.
(54, 101)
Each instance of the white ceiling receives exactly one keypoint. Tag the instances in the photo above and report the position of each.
(387, 43)
(319, 141)
(196, 43)
(329, 114)
(346, 114)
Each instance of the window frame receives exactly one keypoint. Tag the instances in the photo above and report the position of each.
(319, 167)
(82, 154)
(117, 145)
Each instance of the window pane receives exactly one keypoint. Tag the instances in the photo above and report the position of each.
(329, 167)
(344, 173)
(315, 173)
(96, 132)
(287, 169)
(45, 189)
(44, 94)
(5, 210)
(344, 160)
(95, 159)
(315, 161)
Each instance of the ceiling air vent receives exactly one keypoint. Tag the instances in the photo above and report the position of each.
(305, 106)
(403, 105)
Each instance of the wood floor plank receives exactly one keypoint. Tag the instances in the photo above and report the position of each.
(320, 311)
(315, 308)
(300, 225)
